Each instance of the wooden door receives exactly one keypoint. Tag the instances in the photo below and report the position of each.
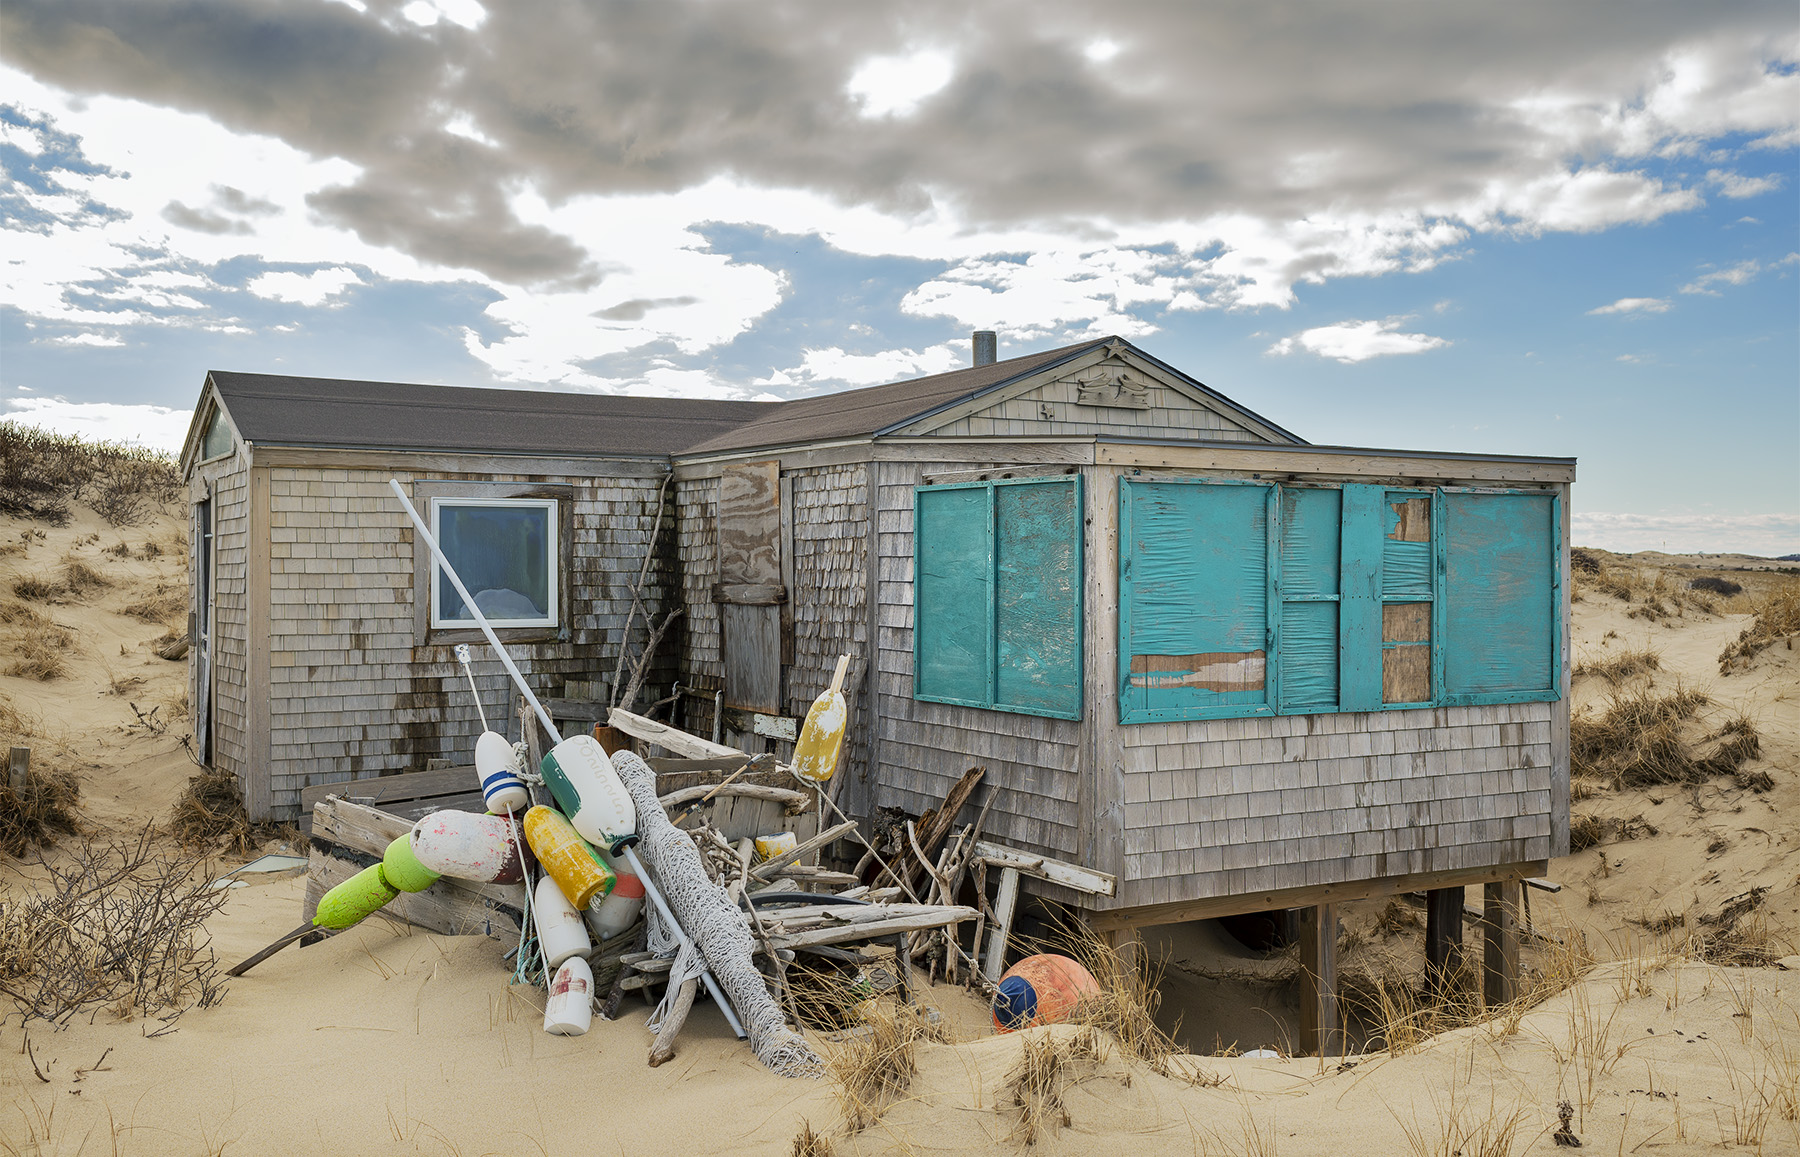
(750, 593)
(201, 637)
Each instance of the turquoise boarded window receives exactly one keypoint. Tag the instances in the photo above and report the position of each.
(1246, 599)
(997, 595)
(1501, 596)
(1194, 600)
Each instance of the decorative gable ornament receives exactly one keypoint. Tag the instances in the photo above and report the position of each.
(1112, 383)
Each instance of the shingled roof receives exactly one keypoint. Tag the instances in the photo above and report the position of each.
(273, 409)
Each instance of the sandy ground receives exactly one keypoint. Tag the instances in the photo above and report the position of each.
(391, 1040)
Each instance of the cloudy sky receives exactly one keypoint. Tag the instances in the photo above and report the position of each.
(1533, 227)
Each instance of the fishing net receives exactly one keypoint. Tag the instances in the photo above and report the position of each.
(719, 929)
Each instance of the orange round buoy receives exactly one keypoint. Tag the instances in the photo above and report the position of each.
(1042, 989)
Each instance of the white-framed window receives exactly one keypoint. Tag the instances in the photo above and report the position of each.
(505, 550)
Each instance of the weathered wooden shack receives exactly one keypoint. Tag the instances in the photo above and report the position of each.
(323, 650)
(1229, 669)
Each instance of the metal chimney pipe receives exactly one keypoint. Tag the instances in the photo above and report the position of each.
(987, 347)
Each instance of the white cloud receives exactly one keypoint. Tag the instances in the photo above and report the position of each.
(309, 289)
(1767, 535)
(1100, 51)
(896, 85)
(87, 339)
(1740, 274)
(1357, 341)
(1634, 305)
(833, 365)
(158, 427)
(426, 13)
(1738, 186)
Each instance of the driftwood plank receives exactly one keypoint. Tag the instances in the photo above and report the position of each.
(769, 867)
(1056, 871)
(872, 929)
(670, 739)
(785, 796)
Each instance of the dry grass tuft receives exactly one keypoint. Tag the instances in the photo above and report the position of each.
(871, 1070)
(1125, 1007)
(810, 1144)
(34, 815)
(80, 579)
(1587, 830)
(1619, 668)
(18, 614)
(1643, 738)
(210, 813)
(117, 923)
(1777, 619)
(166, 606)
(38, 590)
(1461, 1129)
(1397, 917)
(1042, 1075)
(41, 473)
(1714, 585)
(40, 652)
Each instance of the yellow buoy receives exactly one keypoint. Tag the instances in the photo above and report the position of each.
(816, 751)
(570, 860)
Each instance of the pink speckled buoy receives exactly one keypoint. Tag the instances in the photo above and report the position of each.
(465, 846)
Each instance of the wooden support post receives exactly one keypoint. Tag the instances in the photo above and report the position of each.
(1128, 945)
(1500, 935)
(18, 768)
(1443, 937)
(1003, 915)
(1319, 1032)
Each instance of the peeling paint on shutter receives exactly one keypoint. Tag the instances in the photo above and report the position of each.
(1194, 599)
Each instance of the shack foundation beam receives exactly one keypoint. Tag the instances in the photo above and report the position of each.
(1443, 938)
(1320, 1034)
(1500, 941)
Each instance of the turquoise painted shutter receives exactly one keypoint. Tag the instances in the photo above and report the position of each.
(1500, 621)
(1194, 599)
(1359, 626)
(1311, 525)
(953, 595)
(1037, 597)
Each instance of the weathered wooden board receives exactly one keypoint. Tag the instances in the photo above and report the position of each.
(446, 787)
(752, 657)
(1056, 871)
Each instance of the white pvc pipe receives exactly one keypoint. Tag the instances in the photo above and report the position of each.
(480, 619)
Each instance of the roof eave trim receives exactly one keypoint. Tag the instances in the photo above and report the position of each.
(363, 447)
(1310, 448)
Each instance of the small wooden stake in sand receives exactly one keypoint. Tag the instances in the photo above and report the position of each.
(19, 767)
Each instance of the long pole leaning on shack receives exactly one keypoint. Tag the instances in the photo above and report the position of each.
(651, 892)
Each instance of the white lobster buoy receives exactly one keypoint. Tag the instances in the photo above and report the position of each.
(465, 846)
(561, 934)
(622, 906)
(501, 787)
(570, 1010)
(589, 792)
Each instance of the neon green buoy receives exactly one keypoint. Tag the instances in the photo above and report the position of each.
(355, 898)
(402, 870)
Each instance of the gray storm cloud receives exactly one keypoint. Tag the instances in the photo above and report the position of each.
(1274, 112)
